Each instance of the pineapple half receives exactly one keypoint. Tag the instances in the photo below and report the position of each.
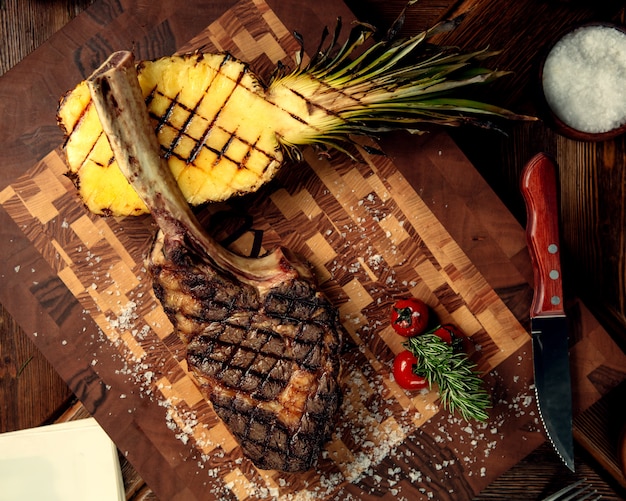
(223, 132)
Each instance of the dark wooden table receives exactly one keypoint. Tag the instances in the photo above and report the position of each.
(593, 195)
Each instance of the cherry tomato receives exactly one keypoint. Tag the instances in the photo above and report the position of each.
(403, 372)
(409, 317)
(447, 332)
(451, 334)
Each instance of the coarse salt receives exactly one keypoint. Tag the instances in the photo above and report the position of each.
(583, 79)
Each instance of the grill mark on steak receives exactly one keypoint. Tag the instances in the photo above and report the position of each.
(267, 362)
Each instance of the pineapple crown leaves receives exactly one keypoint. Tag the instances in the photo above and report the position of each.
(393, 83)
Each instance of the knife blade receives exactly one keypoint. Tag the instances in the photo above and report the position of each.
(549, 327)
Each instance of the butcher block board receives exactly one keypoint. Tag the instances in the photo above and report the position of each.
(419, 221)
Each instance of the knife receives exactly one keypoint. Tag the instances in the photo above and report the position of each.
(547, 315)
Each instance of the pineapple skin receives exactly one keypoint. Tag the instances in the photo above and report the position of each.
(217, 131)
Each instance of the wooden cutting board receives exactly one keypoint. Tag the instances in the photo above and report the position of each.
(419, 221)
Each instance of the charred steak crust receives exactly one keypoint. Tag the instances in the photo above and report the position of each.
(268, 362)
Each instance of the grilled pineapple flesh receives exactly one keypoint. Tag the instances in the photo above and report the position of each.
(215, 128)
(224, 133)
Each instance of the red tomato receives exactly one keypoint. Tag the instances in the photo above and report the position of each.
(447, 332)
(451, 334)
(403, 372)
(409, 317)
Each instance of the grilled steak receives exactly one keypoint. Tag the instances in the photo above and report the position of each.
(262, 341)
(266, 360)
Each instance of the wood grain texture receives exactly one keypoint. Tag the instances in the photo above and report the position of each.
(371, 239)
(24, 27)
(157, 29)
(529, 474)
(475, 240)
(32, 26)
(21, 363)
(539, 189)
(134, 351)
(604, 445)
(592, 188)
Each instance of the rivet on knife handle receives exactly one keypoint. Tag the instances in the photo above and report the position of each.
(539, 190)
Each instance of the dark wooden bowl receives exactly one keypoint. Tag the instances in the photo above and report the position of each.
(553, 119)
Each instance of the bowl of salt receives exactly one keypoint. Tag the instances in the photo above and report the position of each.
(583, 80)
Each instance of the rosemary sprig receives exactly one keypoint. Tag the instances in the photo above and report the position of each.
(460, 386)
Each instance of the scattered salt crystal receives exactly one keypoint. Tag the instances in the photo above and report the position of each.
(583, 79)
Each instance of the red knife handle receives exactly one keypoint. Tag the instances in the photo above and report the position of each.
(539, 190)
